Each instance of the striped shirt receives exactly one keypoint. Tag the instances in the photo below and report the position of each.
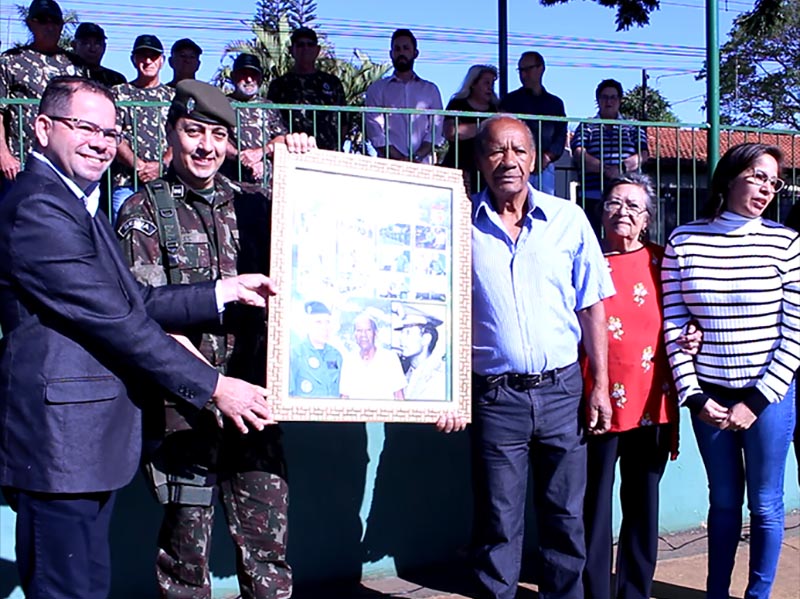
(740, 279)
(611, 144)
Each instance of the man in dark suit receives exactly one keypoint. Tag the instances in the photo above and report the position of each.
(78, 332)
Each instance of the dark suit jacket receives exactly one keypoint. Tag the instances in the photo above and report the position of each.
(78, 332)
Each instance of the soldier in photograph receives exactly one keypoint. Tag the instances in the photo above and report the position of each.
(315, 365)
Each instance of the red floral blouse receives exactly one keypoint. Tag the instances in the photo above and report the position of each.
(640, 383)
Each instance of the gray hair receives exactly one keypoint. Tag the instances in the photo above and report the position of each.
(641, 181)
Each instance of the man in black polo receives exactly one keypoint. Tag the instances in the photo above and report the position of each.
(550, 137)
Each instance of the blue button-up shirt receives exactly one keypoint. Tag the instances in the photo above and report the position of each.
(525, 292)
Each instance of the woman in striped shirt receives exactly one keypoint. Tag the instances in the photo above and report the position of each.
(738, 275)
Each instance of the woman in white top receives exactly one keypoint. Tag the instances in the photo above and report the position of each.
(738, 275)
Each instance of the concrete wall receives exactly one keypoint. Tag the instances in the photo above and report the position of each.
(366, 500)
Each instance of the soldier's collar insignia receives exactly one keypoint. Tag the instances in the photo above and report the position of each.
(190, 104)
(178, 190)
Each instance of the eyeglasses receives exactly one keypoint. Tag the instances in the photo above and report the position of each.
(529, 67)
(761, 178)
(614, 205)
(86, 130)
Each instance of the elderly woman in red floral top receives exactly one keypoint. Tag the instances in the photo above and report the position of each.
(644, 423)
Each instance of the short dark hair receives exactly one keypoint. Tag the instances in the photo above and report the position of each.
(608, 83)
(404, 33)
(533, 54)
(733, 163)
(59, 91)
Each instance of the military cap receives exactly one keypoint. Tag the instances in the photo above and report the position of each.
(414, 317)
(85, 30)
(202, 102)
(312, 308)
(45, 8)
(186, 44)
(304, 33)
(248, 61)
(148, 42)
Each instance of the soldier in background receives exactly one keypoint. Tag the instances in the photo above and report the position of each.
(305, 84)
(90, 46)
(195, 225)
(259, 128)
(184, 59)
(315, 365)
(24, 73)
(141, 157)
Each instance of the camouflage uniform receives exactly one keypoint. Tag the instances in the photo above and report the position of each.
(25, 73)
(220, 235)
(106, 76)
(257, 126)
(320, 89)
(143, 126)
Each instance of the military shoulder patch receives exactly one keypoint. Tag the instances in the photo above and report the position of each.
(138, 224)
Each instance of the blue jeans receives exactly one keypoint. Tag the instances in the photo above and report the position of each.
(512, 428)
(547, 182)
(755, 457)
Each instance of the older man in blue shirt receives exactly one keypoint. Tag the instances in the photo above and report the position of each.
(539, 279)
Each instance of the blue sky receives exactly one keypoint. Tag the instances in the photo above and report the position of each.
(578, 39)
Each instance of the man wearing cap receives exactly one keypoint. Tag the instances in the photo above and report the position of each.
(196, 225)
(90, 46)
(315, 366)
(306, 84)
(390, 133)
(416, 337)
(143, 154)
(184, 58)
(259, 128)
(24, 73)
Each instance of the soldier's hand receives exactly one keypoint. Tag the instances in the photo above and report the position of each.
(148, 171)
(257, 170)
(252, 157)
(299, 143)
(251, 290)
(243, 403)
(450, 423)
(9, 165)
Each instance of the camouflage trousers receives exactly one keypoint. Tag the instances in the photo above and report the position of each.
(250, 481)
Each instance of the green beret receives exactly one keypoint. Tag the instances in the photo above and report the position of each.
(202, 102)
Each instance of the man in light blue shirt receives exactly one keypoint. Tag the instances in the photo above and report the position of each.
(538, 281)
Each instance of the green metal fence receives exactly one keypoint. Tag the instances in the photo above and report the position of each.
(677, 152)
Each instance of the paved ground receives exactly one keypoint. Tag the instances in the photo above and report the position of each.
(680, 574)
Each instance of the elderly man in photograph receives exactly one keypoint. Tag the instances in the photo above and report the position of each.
(79, 334)
(538, 281)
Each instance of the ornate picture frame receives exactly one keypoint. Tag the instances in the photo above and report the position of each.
(372, 319)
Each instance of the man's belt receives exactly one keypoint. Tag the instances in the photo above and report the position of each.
(515, 380)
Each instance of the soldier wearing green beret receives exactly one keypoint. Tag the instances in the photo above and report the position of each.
(196, 225)
(24, 74)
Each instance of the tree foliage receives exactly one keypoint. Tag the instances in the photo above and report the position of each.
(760, 73)
(271, 27)
(629, 12)
(656, 107)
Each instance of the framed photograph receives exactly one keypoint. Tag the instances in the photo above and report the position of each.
(371, 258)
